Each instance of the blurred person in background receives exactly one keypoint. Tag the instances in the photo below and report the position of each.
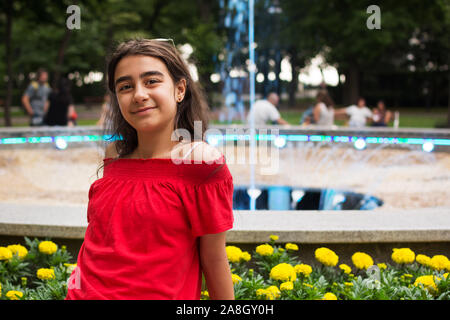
(35, 98)
(265, 110)
(381, 117)
(61, 111)
(359, 115)
(106, 111)
(323, 112)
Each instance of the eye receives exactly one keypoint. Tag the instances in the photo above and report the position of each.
(124, 87)
(151, 81)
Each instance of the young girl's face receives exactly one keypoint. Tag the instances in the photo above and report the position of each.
(146, 93)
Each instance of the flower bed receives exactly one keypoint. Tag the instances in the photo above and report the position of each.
(37, 271)
(276, 272)
(40, 270)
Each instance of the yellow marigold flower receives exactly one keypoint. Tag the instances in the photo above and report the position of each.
(18, 249)
(14, 295)
(326, 257)
(281, 250)
(291, 246)
(5, 253)
(274, 237)
(287, 286)
(205, 293)
(70, 267)
(304, 269)
(439, 262)
(427, 282)
(445, 275)
(235, 278)
(261, 292)
(348, 284)
(408, 275)
(329, 296)
(346, 268)
(283, 272)
(45, 274)
(273, 292)
(264, 250)
(423, 260)
(362, 260)
(47, 247)
(234, 254)
(246, 256)
(403, 255)
(382, 266)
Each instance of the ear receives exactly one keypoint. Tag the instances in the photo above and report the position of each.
(180, 90)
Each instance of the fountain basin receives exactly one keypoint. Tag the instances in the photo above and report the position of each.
(279, 197)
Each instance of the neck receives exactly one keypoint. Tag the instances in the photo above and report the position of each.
(155, 144)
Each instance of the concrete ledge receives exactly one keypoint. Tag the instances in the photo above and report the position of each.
(424, 225)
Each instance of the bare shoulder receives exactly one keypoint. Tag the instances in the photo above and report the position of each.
(110, 151)
(202, 151)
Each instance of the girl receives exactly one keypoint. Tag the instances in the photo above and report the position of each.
(155, 224)
(323, 112)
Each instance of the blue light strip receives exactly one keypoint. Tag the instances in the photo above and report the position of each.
(246, 137)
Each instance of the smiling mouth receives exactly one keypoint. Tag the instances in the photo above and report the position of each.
(144, 109)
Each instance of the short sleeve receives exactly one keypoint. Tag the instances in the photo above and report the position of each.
(274, 114)
(349, 110)
(29, 91)
(209, 206)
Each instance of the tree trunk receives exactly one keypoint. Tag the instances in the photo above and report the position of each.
(265, 72)
(448, 102)
(8, 44)
(204, 7)
(293, 85)
(351, 87)
(277, 73)
(157, 8)
(60, 58)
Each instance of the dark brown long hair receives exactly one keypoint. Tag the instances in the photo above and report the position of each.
(323, 96)
(192, 108)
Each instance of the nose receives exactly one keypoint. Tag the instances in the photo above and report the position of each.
(140, 94)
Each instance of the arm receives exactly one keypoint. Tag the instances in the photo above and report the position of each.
(316, 113)
(215, 266)
(282, 121)
(340, 113)
(388, 117)
(26, 104)
(46, 106)
(70, 111)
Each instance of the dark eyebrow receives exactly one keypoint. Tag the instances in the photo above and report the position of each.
(142, 75)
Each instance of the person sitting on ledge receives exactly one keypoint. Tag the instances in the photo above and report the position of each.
(265, 110)
(359, 114)
(381, 117)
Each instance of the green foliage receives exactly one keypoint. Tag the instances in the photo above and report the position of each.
(20, 273)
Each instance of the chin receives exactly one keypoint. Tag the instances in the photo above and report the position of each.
(149, 125)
